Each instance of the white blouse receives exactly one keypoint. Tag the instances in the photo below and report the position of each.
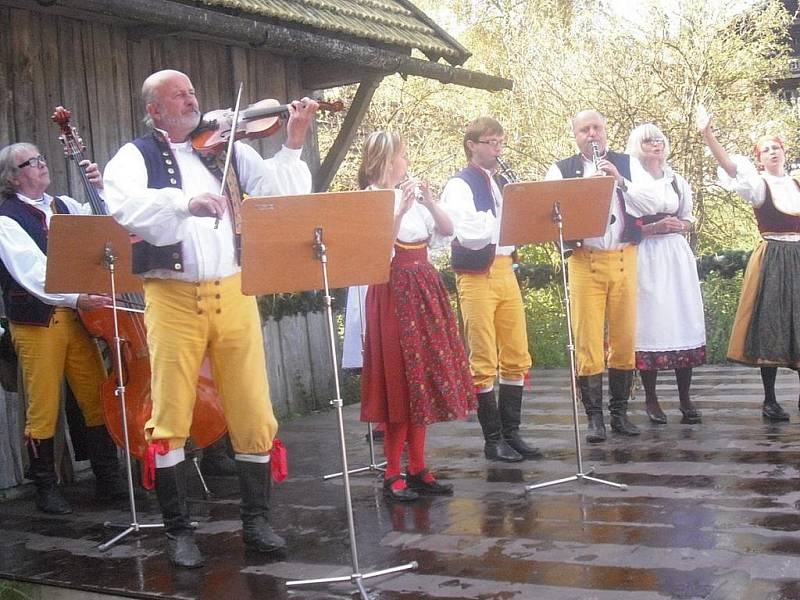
(649, 196)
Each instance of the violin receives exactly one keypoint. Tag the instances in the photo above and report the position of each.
(208, 422)
(258, 120)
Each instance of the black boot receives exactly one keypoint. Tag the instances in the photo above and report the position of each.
(255, 482)
(171, 492)
(217, 460)
(109, 485)
(43, 473)
(619, 384)
(495, 447)
(591, 387)
(509, 403)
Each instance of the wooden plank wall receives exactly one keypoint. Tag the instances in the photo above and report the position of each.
(96, 70)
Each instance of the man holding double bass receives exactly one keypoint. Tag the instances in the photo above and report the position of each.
(162, 190)
(48, 336)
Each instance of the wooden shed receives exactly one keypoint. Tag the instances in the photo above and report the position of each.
(92, 56)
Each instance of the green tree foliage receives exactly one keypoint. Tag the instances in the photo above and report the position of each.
(567, 55)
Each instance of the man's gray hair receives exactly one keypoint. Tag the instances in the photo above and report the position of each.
(8, 165)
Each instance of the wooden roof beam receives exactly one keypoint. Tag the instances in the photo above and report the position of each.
(244, 31)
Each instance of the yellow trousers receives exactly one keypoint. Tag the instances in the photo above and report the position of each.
(603, 289)
(46, 355)
(184, 322)
(494, 322)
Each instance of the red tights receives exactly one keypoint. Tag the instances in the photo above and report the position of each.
(397, 434)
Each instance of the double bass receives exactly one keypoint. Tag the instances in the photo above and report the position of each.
(208, 422)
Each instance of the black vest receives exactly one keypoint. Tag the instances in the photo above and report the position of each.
(465, 260)
(572, 168)
(162, 172)
(21, 306)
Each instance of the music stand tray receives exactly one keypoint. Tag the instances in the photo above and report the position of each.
(91, 254)
(287, 243)
(552, 211)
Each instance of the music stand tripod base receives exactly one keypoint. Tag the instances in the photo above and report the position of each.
(372, 467)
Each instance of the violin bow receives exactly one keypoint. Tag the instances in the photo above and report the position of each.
(232, 139)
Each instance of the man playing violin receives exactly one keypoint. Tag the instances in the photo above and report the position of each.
(163, 191)
(48, 336)
(602, 275)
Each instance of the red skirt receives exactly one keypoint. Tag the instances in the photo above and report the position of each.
(415, 366)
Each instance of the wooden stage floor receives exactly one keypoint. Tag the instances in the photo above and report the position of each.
(711, 512)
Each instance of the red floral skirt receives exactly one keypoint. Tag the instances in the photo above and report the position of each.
(670, 359)
(415, 366)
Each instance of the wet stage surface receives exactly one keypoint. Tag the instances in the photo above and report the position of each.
(711, 512)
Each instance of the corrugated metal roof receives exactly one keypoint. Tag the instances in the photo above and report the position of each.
(394, 22)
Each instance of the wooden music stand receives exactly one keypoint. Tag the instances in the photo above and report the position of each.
(286, 244)
(92, 255)
(552, 211)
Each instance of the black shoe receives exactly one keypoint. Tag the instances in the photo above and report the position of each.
(183, 551)
(377, 435)
(523, 449)
(500, 450)
(109, 484)
(418, 484)
(259, 536)
(51, 501)
(655, 414)
(622, 426)
(691, 416)
(404, 495)
(773, 411)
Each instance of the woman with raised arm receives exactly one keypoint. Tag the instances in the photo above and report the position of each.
(766, 330)
(415, 367)
(670, 326)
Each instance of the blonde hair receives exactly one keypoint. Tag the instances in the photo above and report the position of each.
(379, 151)
(645, 131)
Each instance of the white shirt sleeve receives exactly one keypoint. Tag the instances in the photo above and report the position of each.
(285, 174)
(27, 264)
(748, 183)
(474, 229)
(157, 216)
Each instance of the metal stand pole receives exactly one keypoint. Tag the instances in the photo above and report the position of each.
(372, 467)
(356, 578)
(580, 475)
(134, 525)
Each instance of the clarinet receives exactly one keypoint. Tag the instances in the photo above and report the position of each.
(596, 155)
(505, 171)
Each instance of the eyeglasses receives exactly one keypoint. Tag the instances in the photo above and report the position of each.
(771, 147)
(654, 141)
(35, 161)
(492, 143)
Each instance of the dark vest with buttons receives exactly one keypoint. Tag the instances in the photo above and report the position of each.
(162, 172)
(465, 260)
(572, 167)
(771, 220)
(21, 306)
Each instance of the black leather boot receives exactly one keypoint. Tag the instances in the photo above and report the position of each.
(591, 387)
(171, 492)
(255, 482)
(109, 485)
(619, 384)
(43, 473)
(509, 403)
(495, 447)
(772, 411)
(217, 460)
